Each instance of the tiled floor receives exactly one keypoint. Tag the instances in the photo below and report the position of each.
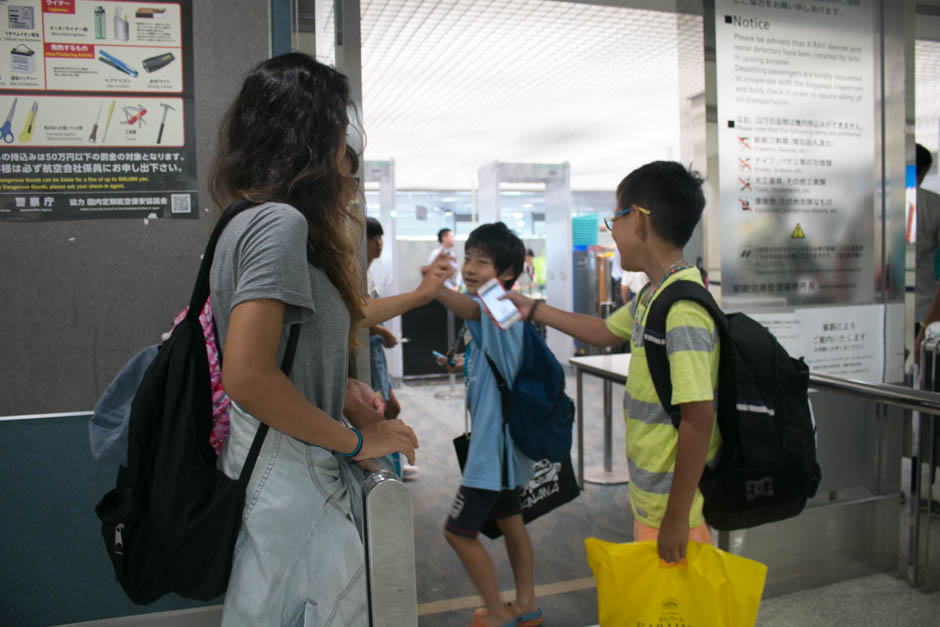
(558, 538)
(446, 596)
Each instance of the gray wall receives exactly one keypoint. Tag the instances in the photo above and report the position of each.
(77, 299)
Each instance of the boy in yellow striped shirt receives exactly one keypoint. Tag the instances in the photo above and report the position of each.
(658, 206)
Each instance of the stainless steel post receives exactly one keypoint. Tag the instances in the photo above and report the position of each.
(928, 496)
(608, 429)
(388, 523)
(580, 399)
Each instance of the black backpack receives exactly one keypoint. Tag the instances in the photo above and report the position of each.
(766, 468)
(171, 522)
(539, 413)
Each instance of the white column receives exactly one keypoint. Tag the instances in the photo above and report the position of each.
(488, 193)
(559, 290)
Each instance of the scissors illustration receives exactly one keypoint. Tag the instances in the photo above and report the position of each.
(6, 132)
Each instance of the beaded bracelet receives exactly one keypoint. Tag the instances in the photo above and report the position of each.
(358, 446)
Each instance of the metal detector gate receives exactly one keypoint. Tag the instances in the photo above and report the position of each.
(558, 258)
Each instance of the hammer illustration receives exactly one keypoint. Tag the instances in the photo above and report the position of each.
(166, 108)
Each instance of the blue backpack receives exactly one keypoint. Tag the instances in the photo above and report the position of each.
(539, 413)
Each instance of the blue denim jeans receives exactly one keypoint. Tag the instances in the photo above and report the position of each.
(299, 558)
(378, 366)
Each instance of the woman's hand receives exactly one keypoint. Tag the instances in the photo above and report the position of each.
(389, 436)
(444, 262)
(369, 465)
(432, 281)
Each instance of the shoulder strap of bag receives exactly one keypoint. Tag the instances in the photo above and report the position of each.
(286, 365)
(201, 289)
(654, 335)
(501, 384)
(504, 393)
(504, 403)
(198, 301)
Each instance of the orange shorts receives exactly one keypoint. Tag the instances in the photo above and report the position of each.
(643, 532)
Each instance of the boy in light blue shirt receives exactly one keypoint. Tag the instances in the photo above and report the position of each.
(491, 251)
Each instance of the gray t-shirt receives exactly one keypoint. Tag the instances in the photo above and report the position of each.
(262, 254)
(928, 240)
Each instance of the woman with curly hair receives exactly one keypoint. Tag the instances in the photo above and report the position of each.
(292, 260)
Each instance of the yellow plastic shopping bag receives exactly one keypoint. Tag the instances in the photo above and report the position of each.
(710, 589)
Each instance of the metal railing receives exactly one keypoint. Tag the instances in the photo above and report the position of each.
(926, 407)
(884, 393)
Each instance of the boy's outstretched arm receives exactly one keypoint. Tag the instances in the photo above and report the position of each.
(588, 329)
(695, 432)
(462, 305)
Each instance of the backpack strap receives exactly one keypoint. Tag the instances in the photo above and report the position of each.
(654, 335)
(500, 383)
(504, 397)
(255, 449)
(504, 393)
(198, 301)
(201, 289)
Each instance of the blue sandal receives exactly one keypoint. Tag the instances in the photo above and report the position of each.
(532, 619)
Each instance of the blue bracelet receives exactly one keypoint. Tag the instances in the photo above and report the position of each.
(358, 446)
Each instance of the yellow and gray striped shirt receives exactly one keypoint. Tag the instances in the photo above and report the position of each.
(692, 346)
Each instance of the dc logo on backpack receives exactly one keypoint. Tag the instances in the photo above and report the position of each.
(761, 487)
(766, 468)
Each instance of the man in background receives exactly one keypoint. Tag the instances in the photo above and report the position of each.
(928, 240)
(926, 288)
(445, 237)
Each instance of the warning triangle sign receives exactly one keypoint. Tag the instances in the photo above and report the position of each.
(798, 232)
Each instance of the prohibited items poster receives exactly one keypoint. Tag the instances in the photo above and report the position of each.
(96, 110)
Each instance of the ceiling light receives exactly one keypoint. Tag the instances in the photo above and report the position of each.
(422, 87)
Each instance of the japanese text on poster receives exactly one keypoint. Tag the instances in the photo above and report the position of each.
(842, 341)
(796, 151)
(98, 105)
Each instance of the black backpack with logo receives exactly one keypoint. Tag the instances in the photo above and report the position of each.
(171, 522)
(766, 468)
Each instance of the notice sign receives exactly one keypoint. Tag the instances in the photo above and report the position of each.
(840, 341)
(96, 110)
(796, 151)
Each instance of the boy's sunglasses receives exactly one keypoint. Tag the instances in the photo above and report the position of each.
(609, 222)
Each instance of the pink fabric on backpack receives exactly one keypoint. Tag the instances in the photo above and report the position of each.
(220, 400)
